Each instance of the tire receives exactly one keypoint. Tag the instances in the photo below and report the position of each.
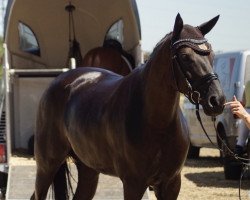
(232, 168)
(193, 152)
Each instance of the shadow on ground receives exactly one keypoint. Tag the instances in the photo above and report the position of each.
(212, 178)
(215, 179)
(200, 162)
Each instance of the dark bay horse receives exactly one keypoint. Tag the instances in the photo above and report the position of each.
(110, 56)
(130, 127)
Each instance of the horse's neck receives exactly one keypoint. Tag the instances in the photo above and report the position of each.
(161, 99)
(148, 95)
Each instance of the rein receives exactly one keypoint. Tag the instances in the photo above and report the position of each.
(195, 87)
(194, 91)
(243, 161)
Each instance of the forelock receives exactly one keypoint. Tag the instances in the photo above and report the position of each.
(191, 32)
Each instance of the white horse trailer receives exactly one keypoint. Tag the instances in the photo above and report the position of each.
(39, 45)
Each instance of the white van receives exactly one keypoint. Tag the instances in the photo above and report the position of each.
(233, 69)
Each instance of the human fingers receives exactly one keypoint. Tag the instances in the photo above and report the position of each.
(227, 103)
(235, 109)
(232, 103)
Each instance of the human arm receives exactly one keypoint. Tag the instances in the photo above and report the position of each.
(239, 110)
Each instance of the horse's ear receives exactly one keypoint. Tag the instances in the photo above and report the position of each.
(207, 26)
(178, 25)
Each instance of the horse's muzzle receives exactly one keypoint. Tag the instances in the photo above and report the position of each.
(213, 105)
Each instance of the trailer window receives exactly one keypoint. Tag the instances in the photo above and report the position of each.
(116, 31)
(28, 41)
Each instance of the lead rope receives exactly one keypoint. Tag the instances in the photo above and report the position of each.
(243, 161)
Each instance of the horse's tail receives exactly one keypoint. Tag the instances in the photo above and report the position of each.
(61, 183)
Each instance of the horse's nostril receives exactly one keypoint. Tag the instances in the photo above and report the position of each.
(213, 101)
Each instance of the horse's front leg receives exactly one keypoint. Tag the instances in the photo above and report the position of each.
(168, 190)
(133, 190)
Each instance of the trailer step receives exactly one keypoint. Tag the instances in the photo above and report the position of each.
(22, 180)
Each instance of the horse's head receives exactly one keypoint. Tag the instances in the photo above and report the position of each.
(193, 66)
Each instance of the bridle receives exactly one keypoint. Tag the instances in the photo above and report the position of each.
(194, 87)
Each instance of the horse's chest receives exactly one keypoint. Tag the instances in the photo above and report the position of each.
(169, 159)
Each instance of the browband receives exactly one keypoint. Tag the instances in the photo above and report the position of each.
(197, 45)
(195, 88)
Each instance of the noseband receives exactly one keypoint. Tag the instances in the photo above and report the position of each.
(194, 87)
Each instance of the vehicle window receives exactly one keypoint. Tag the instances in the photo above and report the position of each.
(225, 67)
(247, 68)
(27, 39)
(116, 31)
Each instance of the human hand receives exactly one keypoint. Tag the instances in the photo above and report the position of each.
(237, 108)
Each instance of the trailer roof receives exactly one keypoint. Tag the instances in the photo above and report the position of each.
(49, 22)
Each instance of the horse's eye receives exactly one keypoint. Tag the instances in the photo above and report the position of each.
(185, 57)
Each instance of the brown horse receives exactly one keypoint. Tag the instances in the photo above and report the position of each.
(130, 127)
(111, 57)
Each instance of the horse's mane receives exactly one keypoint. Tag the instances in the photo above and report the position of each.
(159, 45)
(187, 32)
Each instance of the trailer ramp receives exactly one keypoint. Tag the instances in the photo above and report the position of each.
(22, 181)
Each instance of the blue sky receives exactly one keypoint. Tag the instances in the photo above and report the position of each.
(232, 32)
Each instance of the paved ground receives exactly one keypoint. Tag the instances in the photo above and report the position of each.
(22, 181)
(202, 179)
